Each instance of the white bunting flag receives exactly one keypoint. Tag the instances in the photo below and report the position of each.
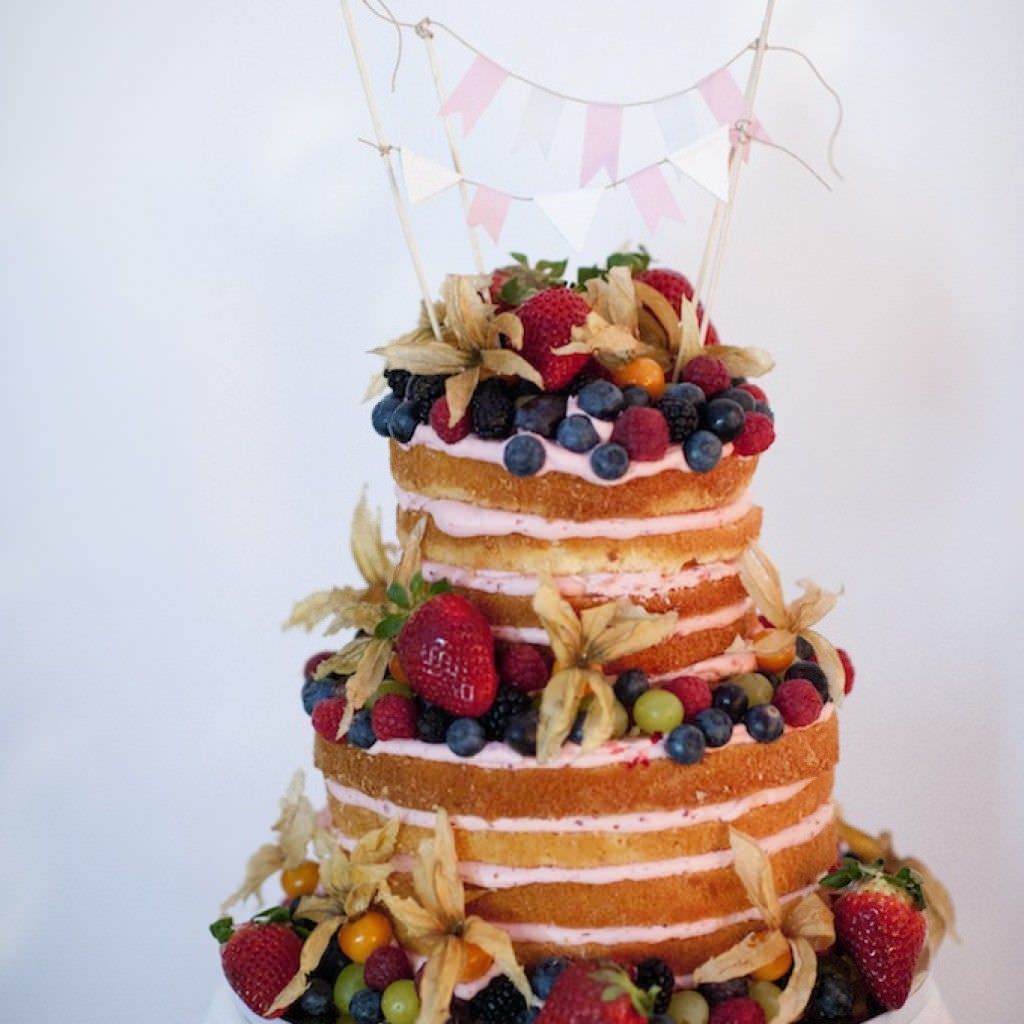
(572, 213)
(424, 178)
(676, 120)
(540, 120)
(706, 162)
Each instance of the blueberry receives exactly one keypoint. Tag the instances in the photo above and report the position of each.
(804, 651)
(331, 963)
(685, 389)
(541, 415)
(545, 974)
(813, 673)
(521, 732)
(731, 699)
(764, 723)
(740, 397)
(702, 450)
(724, 418)
(403, 422)
(601, 399)
(360, 732)
(609, 461)
(316, 690)
(635, 395)
(685, 744)
(832, 1000)
(318, 999)
(765, 410)
(716, 992)
(576, 733)
(716, 726)
(465, 737)
(630, 686)
(523, 455)
(364, 1007)
(577, 433)
(382, 412)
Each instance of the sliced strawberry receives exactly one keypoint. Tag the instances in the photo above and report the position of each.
(548, 319)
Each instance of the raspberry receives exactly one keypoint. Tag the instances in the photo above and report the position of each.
(799, 702)
(492, 410)
(757, 435)
(742, 1010)
(523, 666)
(394, 718)
(439, 413)
(847, 668)
(327, 717)
(385, 965)
(753, 389)
(642, 432)
(508, 702)
(693, 691)
(708, 373)
(313, 663)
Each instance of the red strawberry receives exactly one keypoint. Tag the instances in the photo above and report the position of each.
(548, 319)
(258, 961)
(594, 993)
(847, 668)
(675, 286)
(447, 651)
(499, 278)
(439, 416)
(394, 718)
(881, 923)
(327, 717)
(524, 666)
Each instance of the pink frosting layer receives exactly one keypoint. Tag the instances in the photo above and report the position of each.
(721, 666)
(462, 519)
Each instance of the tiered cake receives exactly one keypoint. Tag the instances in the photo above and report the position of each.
(581, 680)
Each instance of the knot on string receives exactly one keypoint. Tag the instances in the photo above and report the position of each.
(742, 128)
(422, 29)
(384, 149)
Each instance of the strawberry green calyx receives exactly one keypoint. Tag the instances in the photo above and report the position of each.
(852, 871)
(222, 929)
(617, 983)
(635, 262)
(518, 281)
(404, 600)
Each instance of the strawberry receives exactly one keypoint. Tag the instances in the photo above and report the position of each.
(258, 961)
(675, 287)
(548, 319)
(447, 650)
(880, 921)
(512, 285)
(589, 992)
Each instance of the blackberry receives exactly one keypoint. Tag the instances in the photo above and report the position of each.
(716, 992)
(653, 972)
(521, 732)
(498, 1002)
(432, 724)
(508, 702)
(492, 410)
(397, 380)
(681, 415)
(423, 392)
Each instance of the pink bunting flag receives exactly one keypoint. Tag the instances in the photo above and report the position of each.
(488, 210)
(602, 133)
(473, 95)
(653, 197)
(725, 101)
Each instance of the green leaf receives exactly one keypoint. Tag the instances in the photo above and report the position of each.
(515, 291)
(222, 929)
(273, 915)
(584, 274)
(418, 587)
(520, 258)
(389, 627)
(911, 881)
(552, 268)
(439, 587)
(397, 594)
(849, 872)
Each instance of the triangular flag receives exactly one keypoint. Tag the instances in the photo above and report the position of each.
(572, 213)
(424, 178)
(653, 197)
(540, 120)
(728, 105)
(706, 162)
(676, 120)
(488, 210)
(602, 133)
(473, 95)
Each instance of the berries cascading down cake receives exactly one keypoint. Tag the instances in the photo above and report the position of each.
(578, 723)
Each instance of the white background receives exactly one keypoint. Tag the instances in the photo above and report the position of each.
(196, 255)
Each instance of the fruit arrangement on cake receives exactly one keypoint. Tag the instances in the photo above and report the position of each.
(578, 746)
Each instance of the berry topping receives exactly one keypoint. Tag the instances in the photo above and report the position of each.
(423, 392)
(360, 732)
(702, 451)
(403, 422)
(673, 285)
(757, 435)
(847, 668)
(689, 1007)
(400, 1002)
(798, 701)
(716, 726)
(600, 399)
(509, 702)
(348, 983)
(764, 723)
(813, 673)
(681, 414)
(385, 965)
(577, 433)
(360, 936)
(631, 686)
(394, 718)
(465, 737)
(541, 415)
(548, 319)
(524, 666)
(364, 1007)
(521, 733)
(492, 410)
(594, 993)
(757, 687)
(313, 663)
(300, 880)
(685, 744)
(432, 724)
(642, 372)
(498, 1002)
(609, 461)
(398, 381)
(832, 999)
(724, 418)
(447, 650)
(440, 415)
(654, 973)
(731, 699)
(716, 992)
(693, 691)
(754, 391)
(316, 690)
(742, 1010)
(258, 961)
(742, 398)
(523, 455)
(545, 974)
(382, 413)
(658, 711)
(318, 999)
(327, 717)
(708, 373)
(643, 433)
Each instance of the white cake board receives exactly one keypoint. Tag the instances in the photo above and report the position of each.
(925, 1006)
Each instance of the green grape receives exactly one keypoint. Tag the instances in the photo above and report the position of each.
(349, 982)
(766, 995)
(658, 711)
(620, 720)
(689, 1008)
(386, 687)
(400, 1004)
(756, 686)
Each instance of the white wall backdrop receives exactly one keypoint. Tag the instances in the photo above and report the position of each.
(196, 255)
